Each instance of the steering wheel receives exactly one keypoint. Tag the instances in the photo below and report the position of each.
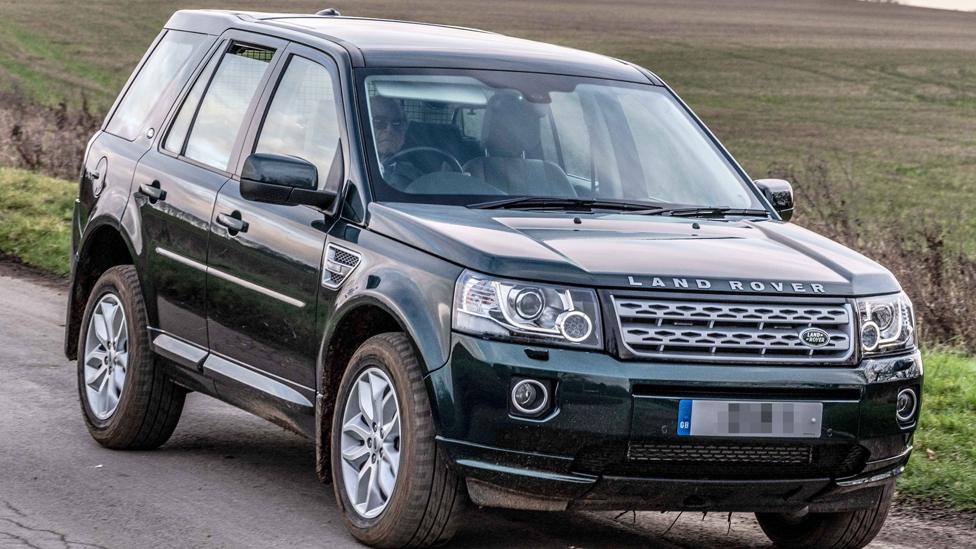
(414, 150)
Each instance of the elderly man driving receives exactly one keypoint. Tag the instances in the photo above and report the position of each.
(389, 131)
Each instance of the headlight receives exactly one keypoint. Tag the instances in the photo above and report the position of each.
(887, 324)
(488, 306)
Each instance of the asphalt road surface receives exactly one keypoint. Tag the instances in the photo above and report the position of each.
(228, 479)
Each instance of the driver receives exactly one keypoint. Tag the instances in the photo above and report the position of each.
(389, 130)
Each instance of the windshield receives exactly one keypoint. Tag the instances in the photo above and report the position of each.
(466, 137)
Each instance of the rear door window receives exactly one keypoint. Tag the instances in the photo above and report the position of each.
(181, 125)
(161, 76)
(219, 116)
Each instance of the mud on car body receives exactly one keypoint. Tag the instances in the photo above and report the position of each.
(477, 269)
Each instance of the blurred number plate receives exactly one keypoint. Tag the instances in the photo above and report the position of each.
(722, 418)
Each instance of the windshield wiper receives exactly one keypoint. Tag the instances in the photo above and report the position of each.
(710, 211)
(639, 208)
(541, 202)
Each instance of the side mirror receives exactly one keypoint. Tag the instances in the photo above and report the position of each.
(279, 179)
(780, 195)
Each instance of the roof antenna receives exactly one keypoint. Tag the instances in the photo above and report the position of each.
(329, 11)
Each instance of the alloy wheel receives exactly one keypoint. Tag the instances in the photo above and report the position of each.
(106, 356)
(370, 442)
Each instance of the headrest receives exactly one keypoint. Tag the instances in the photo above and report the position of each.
(511, 126)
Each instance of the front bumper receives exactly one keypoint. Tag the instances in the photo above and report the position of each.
(577, 455)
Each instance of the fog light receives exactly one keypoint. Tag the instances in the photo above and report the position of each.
(906, 405)
(530, 397)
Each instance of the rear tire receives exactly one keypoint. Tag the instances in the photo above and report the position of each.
(428, 497)
(148, 405)
(846, 530)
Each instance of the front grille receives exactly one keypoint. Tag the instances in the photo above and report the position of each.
(721, 460)
(733, 331)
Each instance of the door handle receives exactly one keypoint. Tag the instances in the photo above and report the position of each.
(153, 191)
(233, 222)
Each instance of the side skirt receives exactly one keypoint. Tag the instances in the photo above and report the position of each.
(277, 400)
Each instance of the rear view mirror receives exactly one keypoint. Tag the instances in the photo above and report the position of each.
(279, 179)
(780, 194)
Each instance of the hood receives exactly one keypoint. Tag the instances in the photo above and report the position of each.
(619, 250)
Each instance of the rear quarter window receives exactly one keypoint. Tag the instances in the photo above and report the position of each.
(161, 76)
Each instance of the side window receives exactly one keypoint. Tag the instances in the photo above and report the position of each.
(219, 117)
(166, 68)
(181, 125)
(303, 119)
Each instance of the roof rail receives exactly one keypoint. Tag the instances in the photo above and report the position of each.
(329, 11)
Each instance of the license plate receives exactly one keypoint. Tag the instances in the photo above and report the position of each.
(723, 418)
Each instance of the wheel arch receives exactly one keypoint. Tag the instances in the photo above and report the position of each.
(104, 245)
(353, 324)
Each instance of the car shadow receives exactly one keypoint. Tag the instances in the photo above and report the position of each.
(253, 451)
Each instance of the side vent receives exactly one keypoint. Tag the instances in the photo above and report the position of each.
(339, 264)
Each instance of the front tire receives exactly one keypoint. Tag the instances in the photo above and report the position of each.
(391, 481)
(846, 530)
(127, 401)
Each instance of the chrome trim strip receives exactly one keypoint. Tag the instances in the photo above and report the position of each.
(256, 288)
(180, 259)
(230, 278)
(255, 380)
(891, 473)
(899, 457)
(174, 349)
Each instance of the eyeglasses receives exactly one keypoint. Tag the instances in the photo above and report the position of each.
(383, 122)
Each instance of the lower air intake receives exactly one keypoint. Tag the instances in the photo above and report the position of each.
(721, 460)
(722, 453)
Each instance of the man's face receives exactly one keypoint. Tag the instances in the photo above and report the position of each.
(389, 127)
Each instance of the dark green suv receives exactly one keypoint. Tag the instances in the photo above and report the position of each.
(473, 268)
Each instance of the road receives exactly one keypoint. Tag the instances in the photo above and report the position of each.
(228, 479)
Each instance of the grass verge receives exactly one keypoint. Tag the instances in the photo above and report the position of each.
(35, 219)
(943, 467)
(35, 226)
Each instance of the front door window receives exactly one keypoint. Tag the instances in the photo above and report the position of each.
(303, 120)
